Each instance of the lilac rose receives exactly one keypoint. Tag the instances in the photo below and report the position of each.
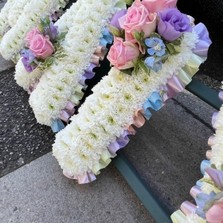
(115, 19)
(172, 23)
(27, 59)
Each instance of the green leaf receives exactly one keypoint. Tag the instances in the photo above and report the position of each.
(156, 35)
(128, 2)
(143, 67)
(137, 36)
(121, 4)
(127, 71)
(115, 31)
(172, 49)
(61, 36)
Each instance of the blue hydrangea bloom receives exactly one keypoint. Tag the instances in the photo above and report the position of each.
(155, 46)
(153, 64)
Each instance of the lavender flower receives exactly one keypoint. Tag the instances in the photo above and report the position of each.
(172, 24)
(115, 19)
(51, 31)
(27, 59)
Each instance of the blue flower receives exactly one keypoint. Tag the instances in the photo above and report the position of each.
(153, 63)
(155, 46)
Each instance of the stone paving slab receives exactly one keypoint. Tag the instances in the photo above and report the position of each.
(39, 193)
(168, 150)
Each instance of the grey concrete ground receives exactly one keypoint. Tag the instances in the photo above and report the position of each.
(38, 193)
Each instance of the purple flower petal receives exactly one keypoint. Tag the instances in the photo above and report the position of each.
(115, 19)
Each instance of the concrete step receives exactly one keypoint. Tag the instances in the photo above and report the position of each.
(39, 193)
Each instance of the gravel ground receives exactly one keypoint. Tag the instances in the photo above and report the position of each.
(21, 138)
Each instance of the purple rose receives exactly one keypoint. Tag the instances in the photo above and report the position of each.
(115, 19)
(172, 24)
(51, 31)
(27, 59)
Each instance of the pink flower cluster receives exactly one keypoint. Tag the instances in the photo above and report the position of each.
(39, 44)
(140, 17)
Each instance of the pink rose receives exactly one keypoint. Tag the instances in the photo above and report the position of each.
(41, 46)
(138, 19)
(215, 213)
(158, 5)
(30, 35)
(122, 54)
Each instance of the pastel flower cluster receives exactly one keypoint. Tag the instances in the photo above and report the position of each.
(39, 44)
(63, 81)
(13, 41)
(146, 35)
(29, 80)
(208, 192)
(121, 101)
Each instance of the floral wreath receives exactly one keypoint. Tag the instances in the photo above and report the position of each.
(156, 51)
(54, 71)
(208, 191)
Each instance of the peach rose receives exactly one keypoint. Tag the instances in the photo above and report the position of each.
(138, 19)
(41, 46)
(215, 213)
(122, 54)
(30, 35)
(158, 5)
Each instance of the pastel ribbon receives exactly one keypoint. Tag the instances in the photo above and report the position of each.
(121, 142)
(188, 208)
(216, 176)
(84, 179)
(204, 40)
(154, 102)
(107, 38)
(204, 164)
(57, 125)
(193, 64)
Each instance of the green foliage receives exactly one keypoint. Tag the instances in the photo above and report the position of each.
(140, 65)
(116, 32)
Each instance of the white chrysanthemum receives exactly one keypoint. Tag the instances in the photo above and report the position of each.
(117, 91)
(63, 77)
(16, 11)
(219, 119)
(13, 40)
(4, 22)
